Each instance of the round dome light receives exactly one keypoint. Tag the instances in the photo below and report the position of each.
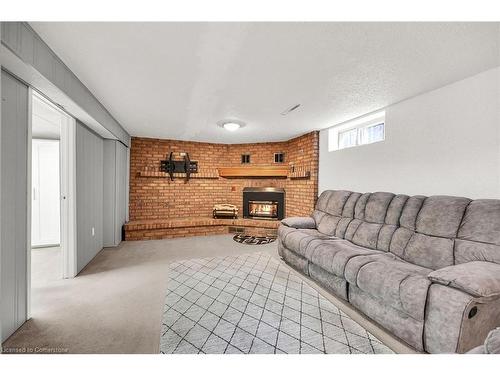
(231, 126)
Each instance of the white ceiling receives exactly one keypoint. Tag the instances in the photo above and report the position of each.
(46, 121)
(177, 80)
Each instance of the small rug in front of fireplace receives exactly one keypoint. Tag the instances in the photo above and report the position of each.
(253, 240)
(253, 303)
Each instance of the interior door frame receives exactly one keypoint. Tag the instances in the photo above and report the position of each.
(67, 168)
(29, 190)
(67, 155)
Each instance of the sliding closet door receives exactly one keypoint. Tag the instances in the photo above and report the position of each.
(13, 193)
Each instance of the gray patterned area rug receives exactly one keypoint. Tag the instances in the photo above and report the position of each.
(253, 303)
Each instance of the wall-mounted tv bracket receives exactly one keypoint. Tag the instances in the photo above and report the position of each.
(172, 166)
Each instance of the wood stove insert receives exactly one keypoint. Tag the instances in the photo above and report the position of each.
(264, 203)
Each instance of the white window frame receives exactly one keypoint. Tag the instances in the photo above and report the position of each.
(359, 124)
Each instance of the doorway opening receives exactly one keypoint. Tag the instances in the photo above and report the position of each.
(51, 196)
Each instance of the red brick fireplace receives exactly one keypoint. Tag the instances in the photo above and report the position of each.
(162, 208)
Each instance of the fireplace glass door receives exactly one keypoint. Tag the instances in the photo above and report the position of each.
(263, 209)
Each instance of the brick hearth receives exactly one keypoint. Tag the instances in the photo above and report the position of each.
(160, 208)
(195, 226)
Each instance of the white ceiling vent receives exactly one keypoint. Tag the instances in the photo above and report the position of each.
(291, 109)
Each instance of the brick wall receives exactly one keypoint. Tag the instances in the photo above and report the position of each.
(159, 198)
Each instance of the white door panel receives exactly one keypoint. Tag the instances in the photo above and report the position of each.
(45, 228)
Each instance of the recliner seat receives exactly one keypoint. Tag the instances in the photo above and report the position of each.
(425, 268)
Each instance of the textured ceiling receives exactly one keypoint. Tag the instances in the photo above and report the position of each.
(177, 80)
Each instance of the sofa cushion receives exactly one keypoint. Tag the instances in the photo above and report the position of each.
(410, 211)
(428, 229)
(350, 204)
(342, 226)
(334, 210)
(370, 235)
(333, 201)
(323, 199)
(395, 209)
(360, 208)
(429, 251)
(385, 236)
(376, 207)
(298, 240)
(354, 264)
(352, 228)
(400, 240)
(468, 251)
(399, 284)
(332, 256)
(481, 222)
(420, 249)
(328, 224)
(366, 235)
(441, 216)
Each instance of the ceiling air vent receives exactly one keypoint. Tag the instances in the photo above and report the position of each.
(279, 157)
(288, 110)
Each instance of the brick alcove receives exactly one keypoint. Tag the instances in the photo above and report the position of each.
(161, 208)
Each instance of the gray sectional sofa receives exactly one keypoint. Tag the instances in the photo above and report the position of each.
(425, 268)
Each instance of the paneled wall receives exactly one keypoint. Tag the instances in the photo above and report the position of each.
(121, 190)
(14, 246)
(89, 194)
(115, 187)
(158, 198)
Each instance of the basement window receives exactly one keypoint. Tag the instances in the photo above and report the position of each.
(358, 132)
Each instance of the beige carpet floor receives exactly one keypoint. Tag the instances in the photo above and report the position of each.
(46, 266)
(115, 304)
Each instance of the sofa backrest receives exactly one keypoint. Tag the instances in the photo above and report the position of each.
(432, 232)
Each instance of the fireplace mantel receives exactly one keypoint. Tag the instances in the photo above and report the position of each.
(254, 171)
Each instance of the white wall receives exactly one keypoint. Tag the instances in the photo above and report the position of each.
(446, 141)
(89, 194)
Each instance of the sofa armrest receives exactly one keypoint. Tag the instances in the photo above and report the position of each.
(299, 222)
(479, 279)
(491, 344)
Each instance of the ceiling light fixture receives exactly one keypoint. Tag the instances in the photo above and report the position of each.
(288, 110)
(231, 125)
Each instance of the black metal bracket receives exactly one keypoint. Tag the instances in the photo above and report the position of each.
(172, 166)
